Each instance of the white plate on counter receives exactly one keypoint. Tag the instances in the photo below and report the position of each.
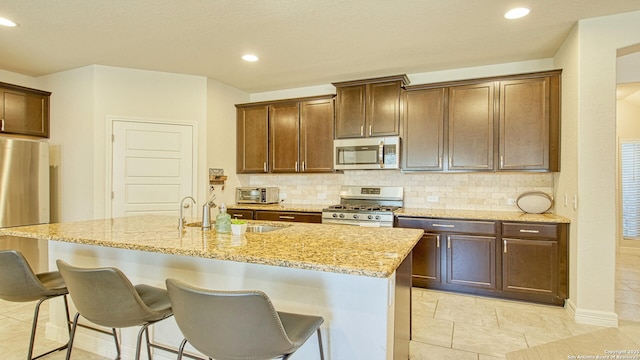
(534, 202)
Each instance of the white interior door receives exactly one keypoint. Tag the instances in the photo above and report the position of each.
(152, 167)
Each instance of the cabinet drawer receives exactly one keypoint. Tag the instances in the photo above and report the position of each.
(289, 216)
(529, 230)
(241, 214)
(446, 225)
(460, 226)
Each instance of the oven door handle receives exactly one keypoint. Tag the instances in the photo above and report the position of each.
(381, 154)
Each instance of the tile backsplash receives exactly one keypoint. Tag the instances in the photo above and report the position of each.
(461, 191)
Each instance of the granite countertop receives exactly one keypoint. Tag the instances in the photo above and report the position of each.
(280, 207)
(482, 215)
(353, 250)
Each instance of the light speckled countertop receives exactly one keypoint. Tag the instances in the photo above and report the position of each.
(372, 252)
(482, 215)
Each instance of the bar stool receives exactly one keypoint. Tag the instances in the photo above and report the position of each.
(18, 283)
(234, 325)
(106, 297)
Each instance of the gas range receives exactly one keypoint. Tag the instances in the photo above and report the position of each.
(365, 206)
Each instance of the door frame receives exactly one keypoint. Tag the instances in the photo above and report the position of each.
(108, 199)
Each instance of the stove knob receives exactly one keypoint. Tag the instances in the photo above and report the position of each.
(371, 217)
(355, 216)
(341, 216)
(335, 215)
(377, 217)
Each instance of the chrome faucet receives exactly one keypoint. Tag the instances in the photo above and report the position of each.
(182, 221)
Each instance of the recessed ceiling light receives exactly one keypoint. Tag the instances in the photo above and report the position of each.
(249, 57)
(516, 13)
(7, 22)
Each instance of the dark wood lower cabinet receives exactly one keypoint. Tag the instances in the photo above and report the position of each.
(471, 261)
(426, 260)
(272, 215)
(513, 260)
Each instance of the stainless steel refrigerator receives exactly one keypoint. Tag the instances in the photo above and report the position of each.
(24, 194)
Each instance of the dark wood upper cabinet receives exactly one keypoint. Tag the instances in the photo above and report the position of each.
(369, 107)
(252, 139)
(471, 127)
(24, 111)
(283, 137)
(423, 126)
(493, 124)
(286, 136)
(316, 135)
(529, 124)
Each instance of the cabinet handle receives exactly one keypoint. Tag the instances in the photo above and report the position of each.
(450, 162)
(304, 166)
(238, 215)
(448, 243)
(438, 241)
(286, 217)
(444, 225)
(440, 162)
(296, 166)
(361, 130)
(264, 166)
(501, 161)
(370, 130)
(530, 231)
(505, 246)
(2, 125)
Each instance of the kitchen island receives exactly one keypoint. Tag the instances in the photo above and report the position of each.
(357, 278)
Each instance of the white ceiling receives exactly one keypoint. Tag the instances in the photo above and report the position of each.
(299, 42)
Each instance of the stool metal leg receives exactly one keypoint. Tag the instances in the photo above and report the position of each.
(34, 326)
(181, 349)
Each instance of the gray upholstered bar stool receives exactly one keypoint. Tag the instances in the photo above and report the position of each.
(106, 297)
(19, 283)
(234, 325)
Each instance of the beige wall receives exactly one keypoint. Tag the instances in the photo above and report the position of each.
(588, 58)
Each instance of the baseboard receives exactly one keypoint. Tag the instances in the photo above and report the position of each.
(592, 317)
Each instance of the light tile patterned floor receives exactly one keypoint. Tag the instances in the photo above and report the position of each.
(445, 326)
(455, 326)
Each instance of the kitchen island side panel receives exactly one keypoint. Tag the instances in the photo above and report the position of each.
(358, 310)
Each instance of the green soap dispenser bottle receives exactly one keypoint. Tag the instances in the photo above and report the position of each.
(223, 220)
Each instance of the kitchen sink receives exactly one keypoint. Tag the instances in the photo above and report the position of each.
(254, 228)
(260, 228)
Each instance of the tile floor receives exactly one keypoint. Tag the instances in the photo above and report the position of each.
(447, 326)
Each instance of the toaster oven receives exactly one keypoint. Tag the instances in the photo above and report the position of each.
(257, 195)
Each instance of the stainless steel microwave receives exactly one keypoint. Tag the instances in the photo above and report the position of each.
(257, 195)
(367, 153)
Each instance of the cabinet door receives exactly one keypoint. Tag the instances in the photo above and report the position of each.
(289, 216)
(316, 135)
(471, 261)
(524, 124)
(24, 113)
(426, 261)
(423, 140)
(383, 109)
(350, 111)
(241, 214)
(284, 126)
(252, 139)
(529, 266)
(471, 127)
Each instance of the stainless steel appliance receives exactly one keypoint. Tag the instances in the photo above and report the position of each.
(365, 206)
(367, 153)
(257, 195)
(24, 194)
